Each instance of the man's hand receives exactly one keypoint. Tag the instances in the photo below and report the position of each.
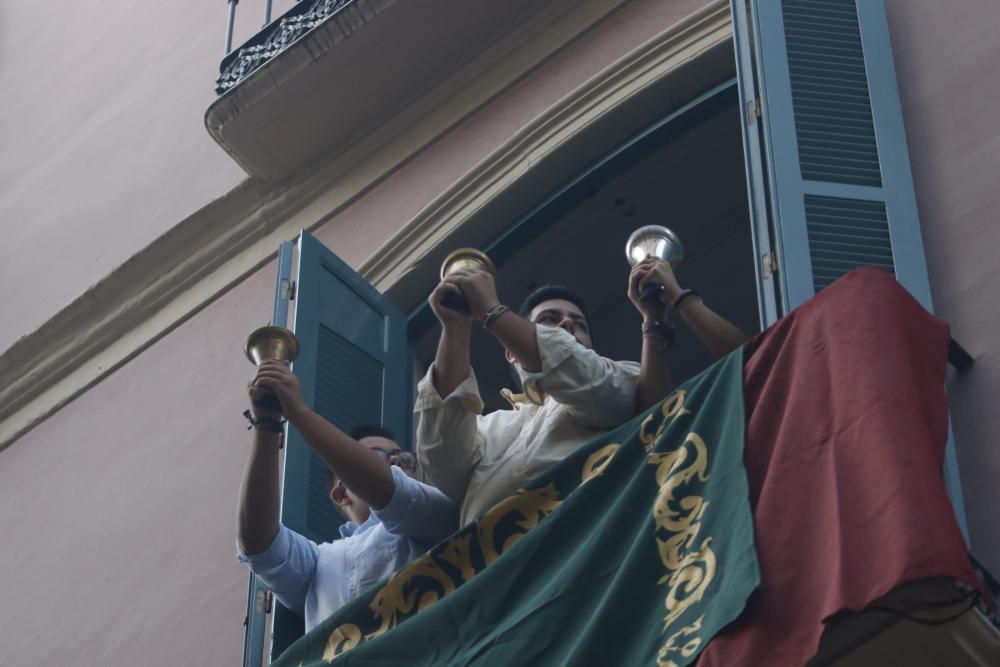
(262, 402)
(278, 377)
(652, 271)
(447, 316)
(477, 286)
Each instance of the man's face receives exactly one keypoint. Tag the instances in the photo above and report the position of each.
(565, 315)
(391, 452)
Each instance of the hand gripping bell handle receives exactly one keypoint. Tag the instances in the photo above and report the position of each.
(455, 301)
(652, 293)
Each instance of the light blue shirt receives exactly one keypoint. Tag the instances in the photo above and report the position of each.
(315, 580)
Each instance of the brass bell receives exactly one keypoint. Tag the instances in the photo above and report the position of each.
(468, 258)
(653, 241)
(464, 258)
(270, 342)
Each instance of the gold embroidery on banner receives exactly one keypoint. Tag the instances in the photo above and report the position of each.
(399, 596)
(341, 640)
(677, 522)
(688, 583)
(393, 599)
(596, 463)
(531, 506)
(670, 476)
(673, 407)
(687, 650)
(458, 552)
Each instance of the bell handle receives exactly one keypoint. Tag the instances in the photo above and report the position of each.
(268, 400)
(455, 301)
(652, 293)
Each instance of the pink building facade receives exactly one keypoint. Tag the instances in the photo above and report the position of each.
(123, 371)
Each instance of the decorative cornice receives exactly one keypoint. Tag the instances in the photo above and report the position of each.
(212, 250)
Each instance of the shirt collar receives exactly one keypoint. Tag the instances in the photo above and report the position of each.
(349, 528)
(531, 396)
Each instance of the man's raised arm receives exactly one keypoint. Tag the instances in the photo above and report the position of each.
(362, 471)
(514, 332)
(448, 402)
(655, 381)
(717, 334)
(260, 496)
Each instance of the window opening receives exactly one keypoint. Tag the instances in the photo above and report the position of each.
(687, 175)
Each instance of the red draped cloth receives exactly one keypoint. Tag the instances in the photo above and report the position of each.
(846, 427)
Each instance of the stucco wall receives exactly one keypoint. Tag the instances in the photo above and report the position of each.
(104, 146)
(118, 512)
(945, 59)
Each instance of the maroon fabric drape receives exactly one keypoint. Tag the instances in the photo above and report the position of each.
(846, 426)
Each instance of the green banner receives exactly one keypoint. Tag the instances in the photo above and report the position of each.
(636, 550)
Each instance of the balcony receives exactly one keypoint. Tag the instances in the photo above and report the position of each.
(274, 38)
(330, 75)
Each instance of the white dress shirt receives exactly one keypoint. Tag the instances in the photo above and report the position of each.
(315, 580)
(478, 460)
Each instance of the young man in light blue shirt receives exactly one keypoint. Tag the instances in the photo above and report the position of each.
(392, 517)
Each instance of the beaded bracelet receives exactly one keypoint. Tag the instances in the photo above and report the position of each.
(269, 424)
(492, 314)
(679, 299)
(662, 330)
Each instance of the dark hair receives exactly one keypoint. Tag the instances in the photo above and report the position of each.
(357, 433)
(548, 292)
(368, 431)
(537, 296)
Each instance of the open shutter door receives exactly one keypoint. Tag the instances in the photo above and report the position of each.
(353, 368)
(828, 169)
(827, 159)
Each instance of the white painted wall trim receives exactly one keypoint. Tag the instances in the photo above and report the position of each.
(216, 248)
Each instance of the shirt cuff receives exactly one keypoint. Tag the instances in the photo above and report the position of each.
(555, 345)
(273, 556)
(467, 393)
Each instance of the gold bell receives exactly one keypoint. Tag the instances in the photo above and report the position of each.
(464, 258)
(271, 342)
(468, 258)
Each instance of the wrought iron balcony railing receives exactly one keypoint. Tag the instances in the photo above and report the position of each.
(272, 39)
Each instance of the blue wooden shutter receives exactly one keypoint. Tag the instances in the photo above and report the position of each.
(353, 368)
(828, 170)
(827, 158)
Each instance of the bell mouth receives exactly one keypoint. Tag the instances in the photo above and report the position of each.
(654, 241)
(467, 258)
(271, 342)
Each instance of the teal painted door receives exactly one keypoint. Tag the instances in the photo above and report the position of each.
(353, 368)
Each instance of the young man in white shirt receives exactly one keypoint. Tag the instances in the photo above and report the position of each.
(392, 517)
(572, 393)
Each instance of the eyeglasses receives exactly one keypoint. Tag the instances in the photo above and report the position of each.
(406, 459)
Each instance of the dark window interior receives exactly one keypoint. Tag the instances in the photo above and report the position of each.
(693, 182)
